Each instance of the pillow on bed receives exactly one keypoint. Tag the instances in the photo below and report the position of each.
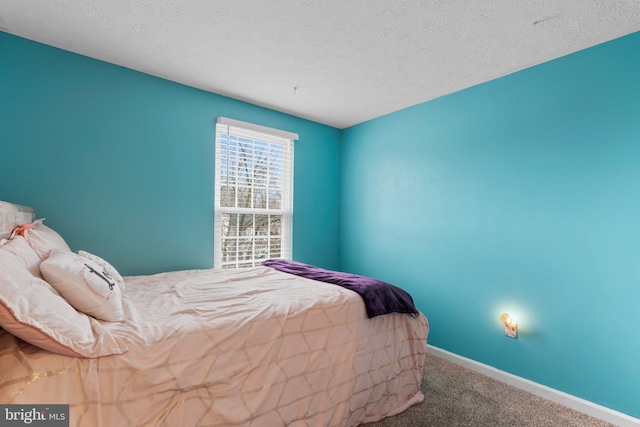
(43, 239)
(108, 268)
(32, 310)
(84, 284)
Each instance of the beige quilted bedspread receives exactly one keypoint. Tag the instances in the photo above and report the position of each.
(253, 347)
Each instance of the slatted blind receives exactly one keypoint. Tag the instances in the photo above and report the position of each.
(253, 194)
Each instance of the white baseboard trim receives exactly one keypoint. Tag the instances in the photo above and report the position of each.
(573, 402)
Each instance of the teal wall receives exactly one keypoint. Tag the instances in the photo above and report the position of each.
(522, 195)
(122, 163)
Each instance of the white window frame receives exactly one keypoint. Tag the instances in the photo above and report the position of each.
(226, 129)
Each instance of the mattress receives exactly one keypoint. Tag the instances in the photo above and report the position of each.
(251, 347)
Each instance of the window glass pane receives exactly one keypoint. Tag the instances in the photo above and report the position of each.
(245, 248)
(229, 247)
(275, 249)
(261, 249)
(260, 198)
(245, 225)
(261, 164)
(262, 225)
(275, 225)
(275, 197)
(227, 196)
(229, 225)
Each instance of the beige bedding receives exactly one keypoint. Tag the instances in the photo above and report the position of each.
(252, 347)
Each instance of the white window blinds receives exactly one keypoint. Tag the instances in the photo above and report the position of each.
(253, 194)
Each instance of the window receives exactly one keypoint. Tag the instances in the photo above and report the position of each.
(253, 194)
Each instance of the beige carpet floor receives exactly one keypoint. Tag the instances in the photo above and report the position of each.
(458, 396)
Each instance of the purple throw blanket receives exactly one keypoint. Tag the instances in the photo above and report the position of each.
(379, 297)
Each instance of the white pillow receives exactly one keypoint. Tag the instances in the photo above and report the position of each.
(32, 310)
(43, 239)
(84, 285)
(108, 268)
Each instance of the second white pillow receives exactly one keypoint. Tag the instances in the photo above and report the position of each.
(84, 284)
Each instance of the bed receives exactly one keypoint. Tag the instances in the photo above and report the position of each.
(250, 347)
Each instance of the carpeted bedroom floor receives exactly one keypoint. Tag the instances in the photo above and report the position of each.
(458, 396)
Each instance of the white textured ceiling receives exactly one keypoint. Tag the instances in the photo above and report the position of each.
(338, 62)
